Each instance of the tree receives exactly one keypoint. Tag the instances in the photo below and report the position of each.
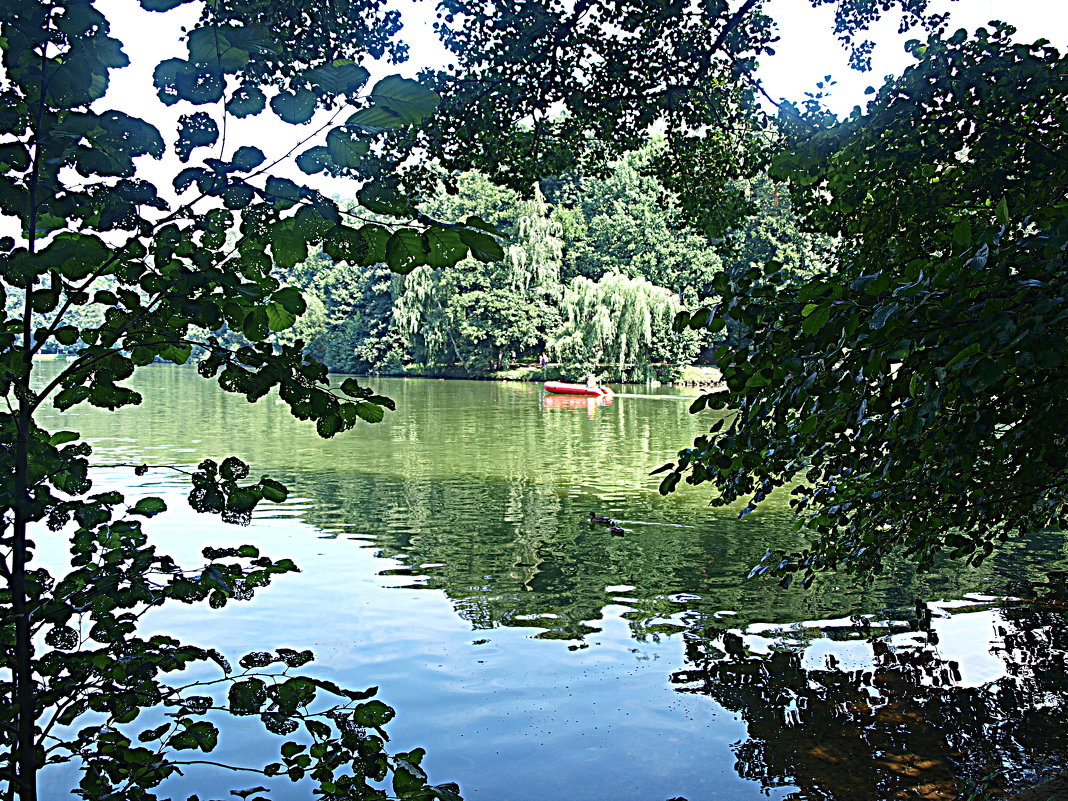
(626, 322)
(128, 273)
(910, 392)
(632, 225)
(477, 314)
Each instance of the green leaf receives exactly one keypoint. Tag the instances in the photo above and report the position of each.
(67, 334)
(294, 107)
(816, 319)
(75, 255)
(373, 713)
(370, 412)
(963, 355)
(313, 160)
(962, 234)
(375, 119)
(882, 314)
(246, 101)
(284, 192)
(247, 697)
(162, 5)
(446, 247)
(404, 251)
(248, 158)
(384, 199)
(278, 317)
(149, 507)
(482, 225)
(408, 99)
(344, 150)
(483, 246)
(291, 299)
(63, 437)
(339, 77)
(366, 245)
(255, 325)
(1001, 211)
(274, 491)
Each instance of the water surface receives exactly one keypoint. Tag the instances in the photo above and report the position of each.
(447, 559)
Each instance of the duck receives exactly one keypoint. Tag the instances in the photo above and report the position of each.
(619, 531)
(601, 521)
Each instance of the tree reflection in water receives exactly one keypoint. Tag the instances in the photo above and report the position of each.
(904, 725)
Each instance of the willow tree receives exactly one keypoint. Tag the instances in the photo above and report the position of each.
(479, 314)
(620, 321)
(536, 254)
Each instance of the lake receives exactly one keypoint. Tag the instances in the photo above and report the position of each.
(447, 558)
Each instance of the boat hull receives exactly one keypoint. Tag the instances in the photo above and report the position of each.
(560, 388)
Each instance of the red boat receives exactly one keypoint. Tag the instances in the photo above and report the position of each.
(560, 388)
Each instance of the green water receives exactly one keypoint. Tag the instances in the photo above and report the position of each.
(447, 558)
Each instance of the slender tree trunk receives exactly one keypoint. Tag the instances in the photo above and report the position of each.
(25, 756)
(22, 670)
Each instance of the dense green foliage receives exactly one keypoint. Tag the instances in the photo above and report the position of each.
(592, 280)
(911, 394)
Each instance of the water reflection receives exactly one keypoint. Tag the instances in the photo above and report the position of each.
(900, 721)
(575, 403)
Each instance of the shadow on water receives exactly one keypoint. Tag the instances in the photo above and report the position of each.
(901, 721)
(480, 493)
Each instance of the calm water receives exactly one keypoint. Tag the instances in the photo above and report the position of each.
(447, 559)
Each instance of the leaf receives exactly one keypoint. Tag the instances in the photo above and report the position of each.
(408, 99)
(339, 77)
(344, 150)
(246, 101)
(313, 160)
(963, 355)
(162, 5)
(63, 437)
(962, 234)
(238, 195)
(248, 158)
(75, 255)
(483, 246)
(291, 299)
(273, 491)
(247, 697)
(384, 199)
(375, 119)
(370, 412)
(404, 251)
(482, 225)
(149, 507)
(446, 247)
(882, 314)
(294, 107)
(816, 319)
(67, 334)
(373, 714)
(255, 325)
(279, 318)
(1001, 211)
(283, 191)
